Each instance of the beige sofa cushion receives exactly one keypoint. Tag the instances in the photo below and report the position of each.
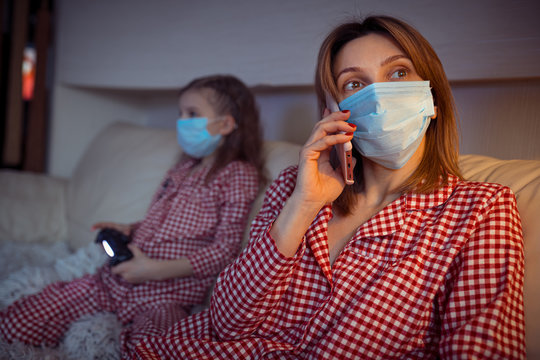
(278, 155)
(116, 177)
(523, 177)
(32, 207)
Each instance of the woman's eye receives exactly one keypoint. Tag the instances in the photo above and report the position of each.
(399, 74)
(352, 85)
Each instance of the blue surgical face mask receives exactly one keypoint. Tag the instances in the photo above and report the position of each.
(391, 119)
(194, 138)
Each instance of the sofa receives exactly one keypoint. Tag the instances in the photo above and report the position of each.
(117, 175)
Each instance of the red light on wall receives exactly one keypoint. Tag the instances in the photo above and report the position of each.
(28, 73)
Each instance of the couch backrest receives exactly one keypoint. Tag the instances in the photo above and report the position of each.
(278, 155)
(116, 177)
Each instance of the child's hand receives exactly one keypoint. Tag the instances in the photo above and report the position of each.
(138, 269)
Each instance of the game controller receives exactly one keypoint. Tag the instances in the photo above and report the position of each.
(115, 244)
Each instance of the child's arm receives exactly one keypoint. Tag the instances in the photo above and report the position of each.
(239, 189)
(142, 268)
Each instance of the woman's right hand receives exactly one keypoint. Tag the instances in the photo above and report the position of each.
(318, 182)
(123, 228)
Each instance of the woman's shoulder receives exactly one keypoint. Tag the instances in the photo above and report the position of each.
(479, 191)
(283, 184)
(481, 187)
(287, 175)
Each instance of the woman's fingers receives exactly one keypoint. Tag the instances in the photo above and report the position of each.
(331, 124)
(328, 141)
(323, 141)
(331, 130)
(318, 180)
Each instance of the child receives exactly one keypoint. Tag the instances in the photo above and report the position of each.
(193, 227)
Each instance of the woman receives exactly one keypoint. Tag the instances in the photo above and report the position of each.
(193, 227)
(409, 262)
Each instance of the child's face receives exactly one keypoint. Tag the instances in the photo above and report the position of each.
(194, 103)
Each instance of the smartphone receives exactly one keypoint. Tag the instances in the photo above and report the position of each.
(343, 151)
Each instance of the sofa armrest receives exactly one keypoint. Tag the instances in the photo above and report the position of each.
(32, 207)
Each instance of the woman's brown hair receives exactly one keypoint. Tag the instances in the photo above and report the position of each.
(230, 96)
(440, 157)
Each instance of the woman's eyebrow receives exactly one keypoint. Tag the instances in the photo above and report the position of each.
(385, 62)
(348, 70)
(393, 58)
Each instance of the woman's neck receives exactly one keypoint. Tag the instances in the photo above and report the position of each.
(381, 185)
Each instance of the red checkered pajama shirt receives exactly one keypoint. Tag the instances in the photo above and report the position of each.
(430, 276)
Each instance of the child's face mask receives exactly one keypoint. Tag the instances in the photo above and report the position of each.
(194, 138)
(391, 119)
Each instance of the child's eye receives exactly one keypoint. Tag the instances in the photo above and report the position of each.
(399, 74)
(188, 114)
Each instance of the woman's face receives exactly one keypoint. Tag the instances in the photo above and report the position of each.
(194, 103)
(369, 59)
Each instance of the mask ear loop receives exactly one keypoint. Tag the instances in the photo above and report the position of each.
(434, 117)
